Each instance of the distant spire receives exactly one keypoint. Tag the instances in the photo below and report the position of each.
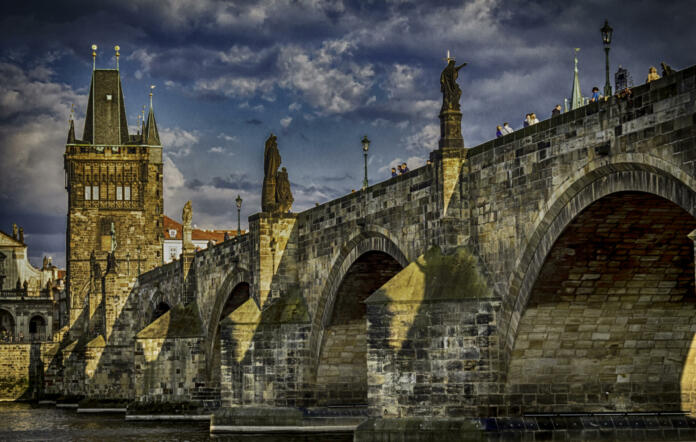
(117, 48)
(71, 130)
(151, 134)
(576, 97)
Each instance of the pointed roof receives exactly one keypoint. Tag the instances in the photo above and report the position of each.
(71, 132)
(576, 97)
(105, 121)
(151, 133)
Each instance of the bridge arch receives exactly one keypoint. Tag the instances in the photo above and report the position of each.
(574, 318)
(363, 264)
(626, 172)
(237, 278)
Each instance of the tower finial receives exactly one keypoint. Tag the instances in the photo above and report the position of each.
(152, 89)
(72, 111)
(117, 48)
(138, 124)
(94, 57)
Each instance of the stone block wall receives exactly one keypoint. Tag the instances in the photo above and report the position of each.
(436, 359)
(265, 358)
(168, 369)
(23, 368)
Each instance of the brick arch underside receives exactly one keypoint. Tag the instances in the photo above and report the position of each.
(232, 281)
(607, 318)
(364, 265)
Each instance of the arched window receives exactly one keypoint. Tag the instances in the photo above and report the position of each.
(7, 326)
(37, 328)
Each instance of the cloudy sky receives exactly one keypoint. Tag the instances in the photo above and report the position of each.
(320, 74)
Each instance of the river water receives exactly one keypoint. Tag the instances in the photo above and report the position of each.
(19, 421)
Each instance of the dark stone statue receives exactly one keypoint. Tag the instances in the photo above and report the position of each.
(271, 162)
(94, 265)
(449, 87)
(666, 69)
(14, 231)
(111, 262)
(284, 197)
(21, 235)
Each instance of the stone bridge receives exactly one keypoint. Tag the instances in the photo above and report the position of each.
(547, 270)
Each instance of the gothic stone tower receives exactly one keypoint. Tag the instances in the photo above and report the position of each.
(111, 177)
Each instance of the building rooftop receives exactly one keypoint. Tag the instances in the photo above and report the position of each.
(174, 230)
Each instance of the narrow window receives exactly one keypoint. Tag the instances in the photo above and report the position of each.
(126, 193)
(119, 193)
(88, 193)
(95, 193)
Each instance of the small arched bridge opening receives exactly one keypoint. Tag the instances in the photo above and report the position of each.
(342, 370)
(238, 296)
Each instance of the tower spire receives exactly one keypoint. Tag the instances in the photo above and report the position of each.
(576, 96)
(151, 134)
(117, 48)
(71, 129)
(94, 57)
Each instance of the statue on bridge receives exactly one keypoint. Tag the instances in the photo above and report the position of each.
(275, 195)
(448, 85)
(284, 197)
(450, 114)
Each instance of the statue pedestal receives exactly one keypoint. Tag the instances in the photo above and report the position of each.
(451, 129)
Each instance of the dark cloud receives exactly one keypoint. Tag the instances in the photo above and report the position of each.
(254, 122)
(235, 181)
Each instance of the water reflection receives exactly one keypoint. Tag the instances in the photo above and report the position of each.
(25, 422)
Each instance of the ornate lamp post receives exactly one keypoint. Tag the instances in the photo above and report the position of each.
(606, 38)
(239, 209)
(365, 148)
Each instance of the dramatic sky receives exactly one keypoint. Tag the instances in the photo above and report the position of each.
(319, 74)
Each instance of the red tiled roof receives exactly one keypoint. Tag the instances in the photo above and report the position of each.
(200, 235)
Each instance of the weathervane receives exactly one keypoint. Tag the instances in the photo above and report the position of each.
(72, 111)
(152, 89)
(94, 57)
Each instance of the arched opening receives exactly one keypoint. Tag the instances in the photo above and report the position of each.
(611, 316)
(238, 296)
(161, 309)
(7, 326)
(37, 328)
(342, 369)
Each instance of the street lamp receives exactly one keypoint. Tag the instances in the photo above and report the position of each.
(606, 38)
(365, 148)
(239, 219)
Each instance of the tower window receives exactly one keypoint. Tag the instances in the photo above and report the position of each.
(119, 193)
(127, 193)
(88, 193)
(95, 193)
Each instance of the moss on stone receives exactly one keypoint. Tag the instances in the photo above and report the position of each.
(289, 309)
(179, 322)
(435, 276)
